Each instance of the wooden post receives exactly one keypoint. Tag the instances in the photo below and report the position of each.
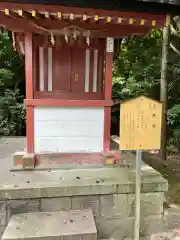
(29, 92)
(164, 88)
(108, 92)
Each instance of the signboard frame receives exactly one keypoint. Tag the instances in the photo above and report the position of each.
(149, 121)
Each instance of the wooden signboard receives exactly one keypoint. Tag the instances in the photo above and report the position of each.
(140, 124)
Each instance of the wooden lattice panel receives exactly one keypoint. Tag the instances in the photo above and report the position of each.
(140, 124)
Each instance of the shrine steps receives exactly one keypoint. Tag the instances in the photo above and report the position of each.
(61, 225)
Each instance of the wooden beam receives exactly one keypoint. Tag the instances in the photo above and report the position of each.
(18, 24)
(29, 92)
(90, 11)
(28, 65)
(104, 30)
(35, 14)
(21, 13)
(11, 20)
(91, 19)
(84, 25)
(108, 75)
(10, 13)
(24, 14)
(67, 103)
(151, 19)
(108, 94)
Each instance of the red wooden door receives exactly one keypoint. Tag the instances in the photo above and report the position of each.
(61, 69)
(77, 70)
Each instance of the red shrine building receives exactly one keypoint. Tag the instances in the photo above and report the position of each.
(68, 48)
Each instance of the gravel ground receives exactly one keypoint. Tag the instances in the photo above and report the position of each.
(9, 145)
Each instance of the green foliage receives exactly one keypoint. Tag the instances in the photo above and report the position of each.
(12, 113)
(136, 71)
(174, 126)
(137, 68)
(6, 76)
(174, 116)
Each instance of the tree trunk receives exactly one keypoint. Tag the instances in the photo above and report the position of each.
(164, 90)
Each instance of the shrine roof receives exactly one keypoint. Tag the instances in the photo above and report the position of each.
(146, 6)
(102, 18)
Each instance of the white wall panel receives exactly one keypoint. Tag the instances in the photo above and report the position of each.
(60, 129)
(95, 70)
(68, 113)
(50, 61)
(41, 68)
(87, 69)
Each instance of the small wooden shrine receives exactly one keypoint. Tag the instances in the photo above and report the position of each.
(68, 51)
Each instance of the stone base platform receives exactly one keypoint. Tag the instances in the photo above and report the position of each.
(63, 225)
(44, 161)
(24, 161)
(108, 191)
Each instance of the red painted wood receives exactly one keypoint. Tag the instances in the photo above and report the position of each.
(30, 128)
(108, 76)
(39, 40)
(98, 158)
(35, 69)
(46, 69)
(68, 95)
(102, 54)
(90, 11)
(61, 69)
(101, 51)
(68, 103)
(29, 92)
(107, 128)
(67, 61)
(22, 25)
(77, 70)
(28, 65)
(108, 95)
(98, 71)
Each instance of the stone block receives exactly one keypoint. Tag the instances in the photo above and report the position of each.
(18, 158)
(78, 189)
(22, 206)
(86, 202)
(160, 185)
(55, 204)
(115, 228)
(152, 224)
(2, 213)
(163, 236)
(151, 203)
(2, 229)
(21, 191)
(121, 228)
(114, 205)
(29, 161)
(125, 187)
(62, 225)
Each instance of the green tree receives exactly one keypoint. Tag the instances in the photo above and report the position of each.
(137, 70)
(12, 112)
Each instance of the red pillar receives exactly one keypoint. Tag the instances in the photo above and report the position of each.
(108, 93)
(29, 92)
